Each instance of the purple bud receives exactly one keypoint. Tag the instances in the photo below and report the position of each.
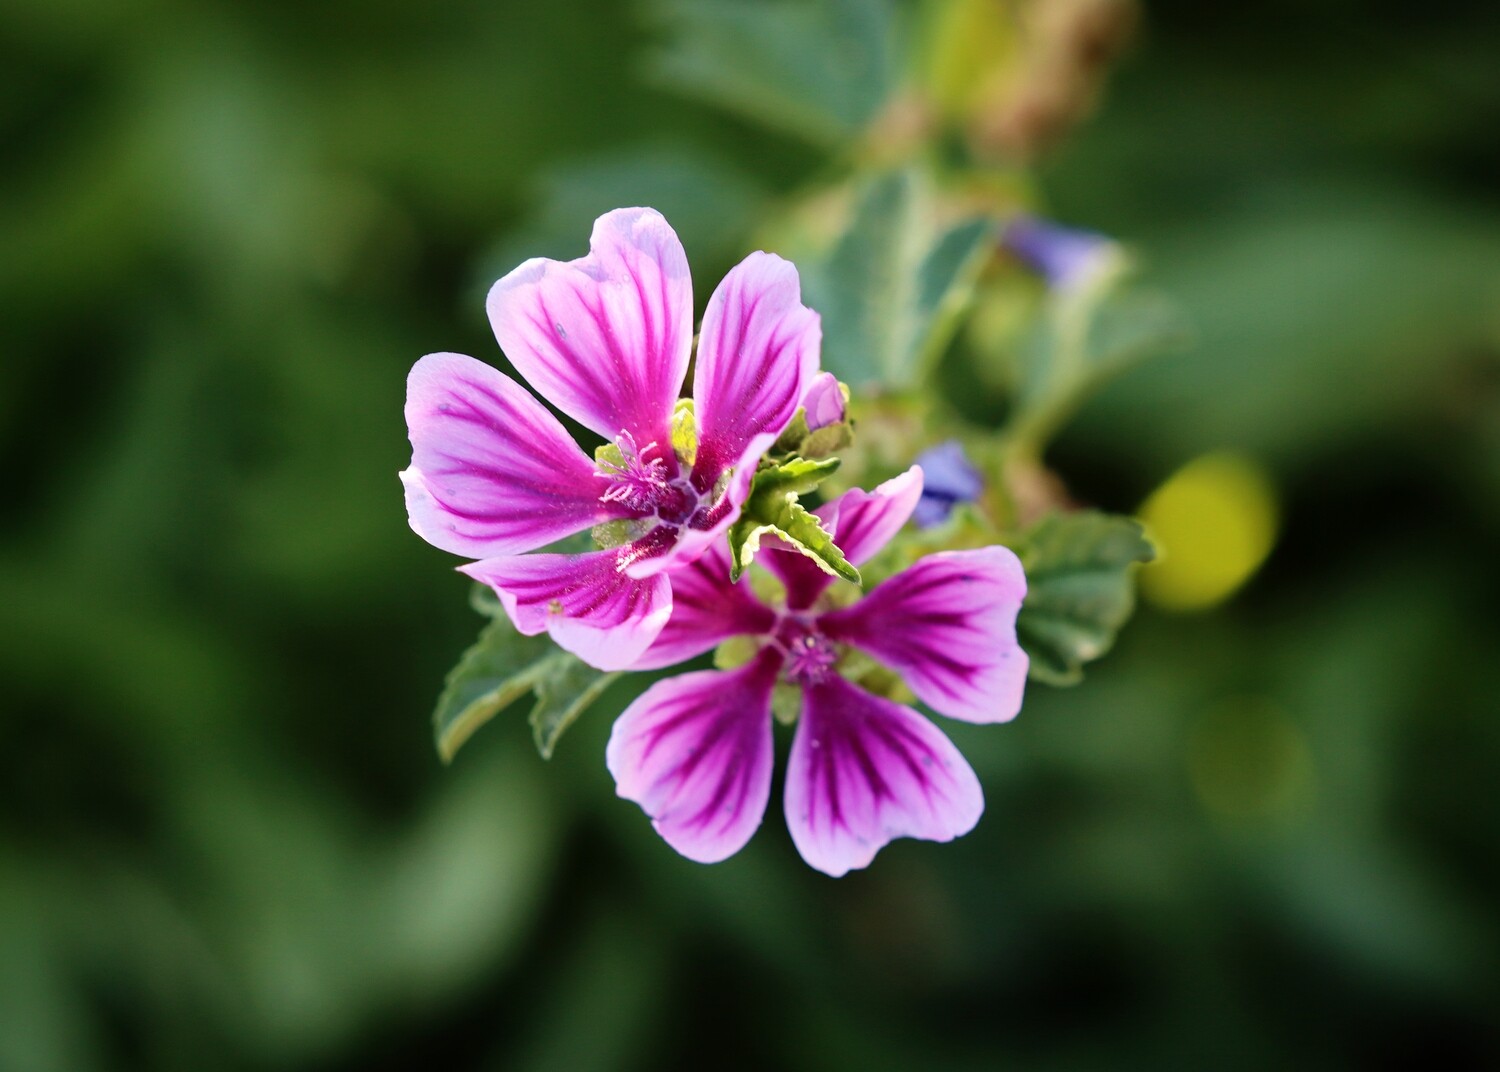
(1064, 256)
(824, 402)
(948, 478)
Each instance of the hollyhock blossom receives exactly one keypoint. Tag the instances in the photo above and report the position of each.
(606, 339)
(949, 479)
(695, 751)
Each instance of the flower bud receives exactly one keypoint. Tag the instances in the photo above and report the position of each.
(948, 478)
(824, 402)
(1066, 257)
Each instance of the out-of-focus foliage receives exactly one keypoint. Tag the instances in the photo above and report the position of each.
(819, 71)
(504, 666)
(890, 290)
(1261, 835)
(1080, 589)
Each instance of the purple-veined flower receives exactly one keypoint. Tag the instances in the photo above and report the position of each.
(949, 478)
(1067, 257)
(695, 751)
(606, 339)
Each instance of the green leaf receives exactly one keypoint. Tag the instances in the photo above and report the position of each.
(770, 60)
(483, 600)
(564, 690)
(498, 670)
(1132, 325)
(894, 288)
(1086, 338)
(772, 509)
(795, 476)
(1080, 590)
(798, 528)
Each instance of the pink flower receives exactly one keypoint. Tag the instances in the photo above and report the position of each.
(606, 339)
(695, 751)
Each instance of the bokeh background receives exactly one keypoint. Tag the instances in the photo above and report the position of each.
(1263, 833)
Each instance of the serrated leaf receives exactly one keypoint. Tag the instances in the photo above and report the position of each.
(770, 60)
(795, 476)
(894, 288)
(1080, 590)
(772, 509)
(502, 667)
(798, 529)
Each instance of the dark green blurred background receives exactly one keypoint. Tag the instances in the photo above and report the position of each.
(1263, 836)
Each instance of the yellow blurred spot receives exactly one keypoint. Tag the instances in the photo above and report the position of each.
(1248, 760)
(971, 52)
(1214, 522)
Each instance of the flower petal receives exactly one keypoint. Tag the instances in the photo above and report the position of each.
(492, 472)
(757, 353)
(707, 608)
(861, 522)
(1067, 257)
(695, 752)
(864, 771)
(948, 625)
(948, 478)
(587, 602)
(604, 338)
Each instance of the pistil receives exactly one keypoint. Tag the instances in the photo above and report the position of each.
(810, 656)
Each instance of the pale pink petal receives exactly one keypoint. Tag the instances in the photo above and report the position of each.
(864, 771)
(707, 609)
(947, 625)
(862, 523)
(587, 603)
(492, 472)
(757, 353)
(604, 338)
(865, 521)
(695, 752)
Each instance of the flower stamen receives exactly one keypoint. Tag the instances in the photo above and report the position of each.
(809, 658)
(638, 481)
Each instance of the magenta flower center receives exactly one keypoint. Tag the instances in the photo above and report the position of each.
(810, 655)
(641, 483)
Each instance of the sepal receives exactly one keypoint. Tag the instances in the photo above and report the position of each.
(818, 435)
